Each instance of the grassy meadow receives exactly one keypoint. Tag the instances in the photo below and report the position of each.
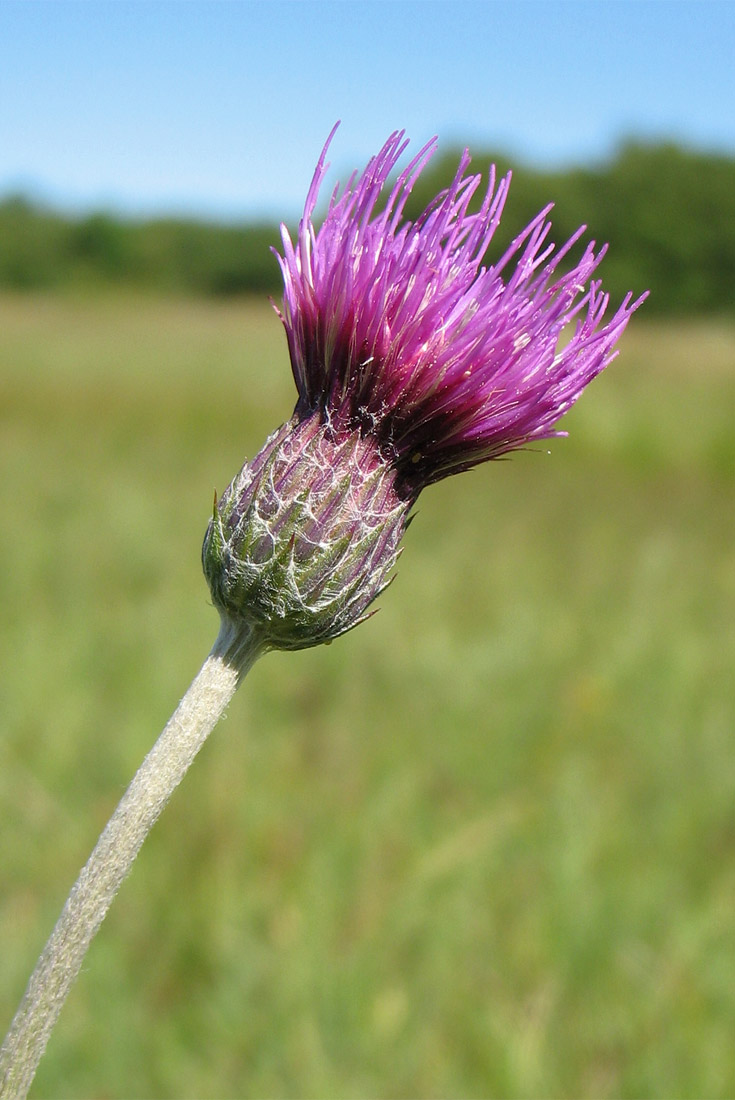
(482, 846)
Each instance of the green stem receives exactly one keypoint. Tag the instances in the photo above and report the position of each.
(158, 776)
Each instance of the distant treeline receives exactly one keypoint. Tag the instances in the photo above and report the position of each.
(667, 213)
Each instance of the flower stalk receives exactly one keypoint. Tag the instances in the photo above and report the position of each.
(109, 864)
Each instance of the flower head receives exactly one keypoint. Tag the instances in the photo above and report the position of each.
(413, 359)
(399, 330)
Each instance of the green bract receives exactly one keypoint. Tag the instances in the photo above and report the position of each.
(306, 536)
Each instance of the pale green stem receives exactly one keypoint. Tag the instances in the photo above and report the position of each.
(158, 776)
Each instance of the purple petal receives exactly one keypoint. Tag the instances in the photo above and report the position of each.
(398, 330)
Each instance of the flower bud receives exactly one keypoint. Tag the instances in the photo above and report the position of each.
(306, 536)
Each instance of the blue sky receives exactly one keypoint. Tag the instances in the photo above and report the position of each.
(221, 108)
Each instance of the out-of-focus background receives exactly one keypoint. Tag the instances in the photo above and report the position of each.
(484, 845)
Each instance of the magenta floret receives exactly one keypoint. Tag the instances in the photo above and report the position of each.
(399, 330)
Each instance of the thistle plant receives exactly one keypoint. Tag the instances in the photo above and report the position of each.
(413, 359)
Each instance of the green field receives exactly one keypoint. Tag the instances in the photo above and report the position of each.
(482, 846)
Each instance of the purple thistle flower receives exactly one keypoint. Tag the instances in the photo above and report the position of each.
(412, 361)
(397, 330)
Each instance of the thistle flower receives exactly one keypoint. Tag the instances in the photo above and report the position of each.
(413, 360)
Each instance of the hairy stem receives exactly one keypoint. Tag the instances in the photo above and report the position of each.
(158, 776)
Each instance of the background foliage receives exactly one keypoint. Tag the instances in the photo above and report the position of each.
(484, 845)
(668, 214)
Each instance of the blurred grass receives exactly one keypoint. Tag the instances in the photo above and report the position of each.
(483, 846)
